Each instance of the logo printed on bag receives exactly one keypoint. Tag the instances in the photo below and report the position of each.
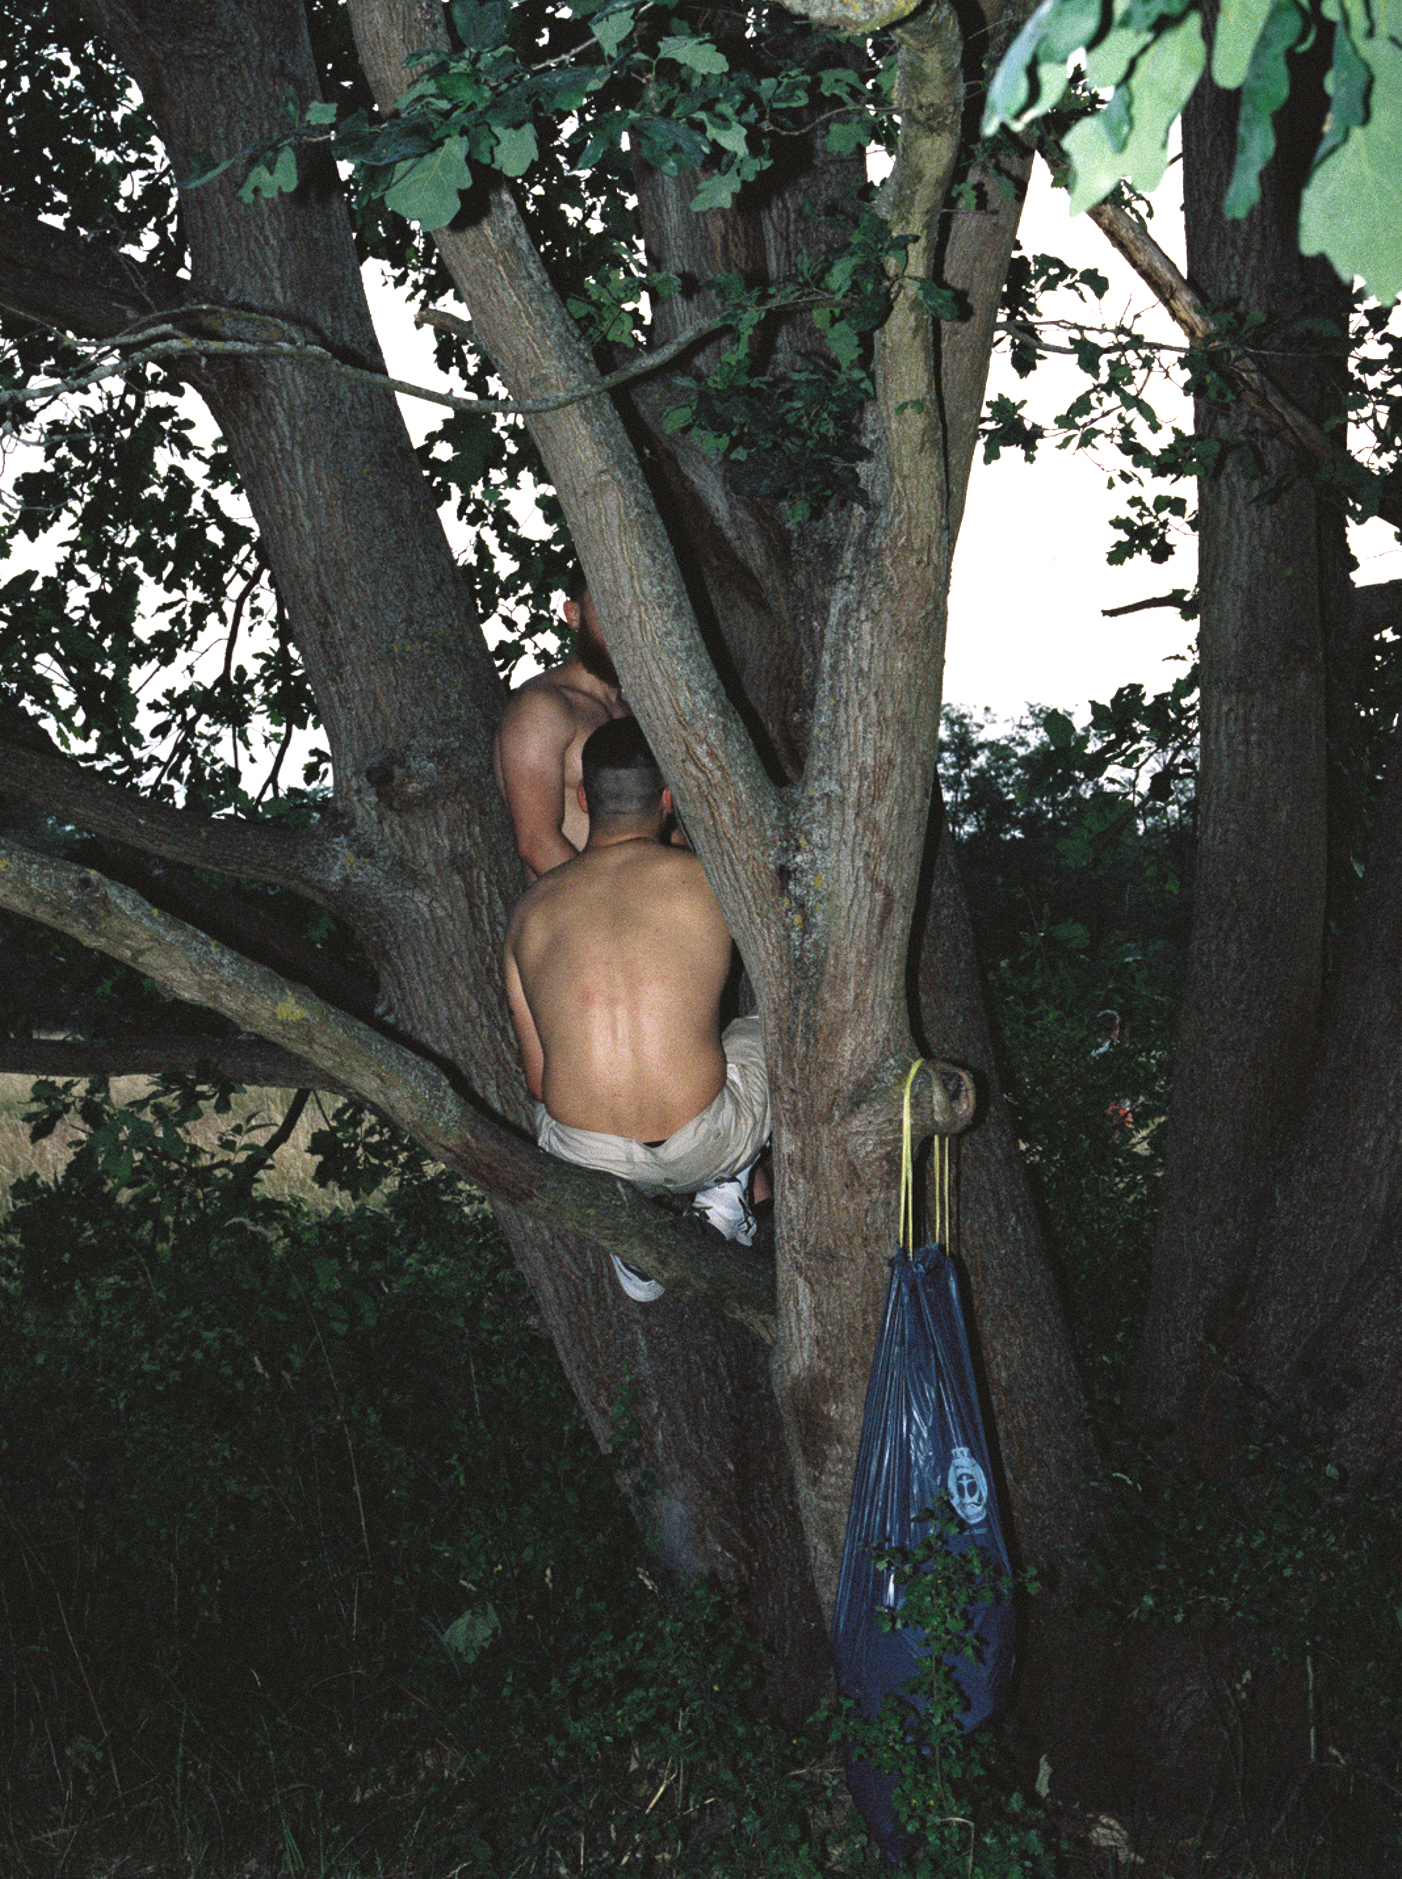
(967, 1487)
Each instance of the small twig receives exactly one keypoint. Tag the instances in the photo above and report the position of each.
(164, 344)
(282, 1134)
(1143, 606)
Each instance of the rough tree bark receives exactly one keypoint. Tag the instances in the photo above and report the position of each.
(819, 880)
(1273, 575)
(814, 844)
(790, 682)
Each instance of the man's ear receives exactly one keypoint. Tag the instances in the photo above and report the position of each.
(581, 798)
(573, 615)
(668, 807)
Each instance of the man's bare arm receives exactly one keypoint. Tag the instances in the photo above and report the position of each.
(532, 1056)
(534, 736)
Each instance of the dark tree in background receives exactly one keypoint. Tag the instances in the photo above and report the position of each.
(771, 568)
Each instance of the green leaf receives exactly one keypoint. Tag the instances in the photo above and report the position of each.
(728, 132)
(277, 178)
(427, 190)
(515, 149)
(1348, 84)
(204, 169)
(1238, 28)
(847, 136)
(1109, 60)
(1158, 86)
(612, 29)
(943, 302)
(481, 27)
(1350, 211)
(718, 191)
(844, 341)
(321, 113)
(1032, 76)
(1264, 90)
(697, 53)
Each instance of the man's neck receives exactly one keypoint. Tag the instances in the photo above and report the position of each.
(579, 678)
(616, 831)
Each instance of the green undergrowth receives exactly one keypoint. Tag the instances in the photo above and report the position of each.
(1290, 1572)
(957, 1799)
(309, 1564)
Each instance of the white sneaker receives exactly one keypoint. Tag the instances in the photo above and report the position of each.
(637, 1284)
(725, 1205)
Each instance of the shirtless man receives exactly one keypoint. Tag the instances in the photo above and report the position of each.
(615, 965)
(536, 755)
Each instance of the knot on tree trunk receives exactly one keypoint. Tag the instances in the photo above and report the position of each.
(943, 1101)
(406, 780)
(943, 1098)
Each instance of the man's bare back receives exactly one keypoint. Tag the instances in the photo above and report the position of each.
(615, 964)
(536, 753)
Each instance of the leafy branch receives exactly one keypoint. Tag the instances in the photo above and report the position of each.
(623, 82)
(159, 341)
(1150, 56)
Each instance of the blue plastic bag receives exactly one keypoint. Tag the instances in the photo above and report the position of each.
(922, 1447)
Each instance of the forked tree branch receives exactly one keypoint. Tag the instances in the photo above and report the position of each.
(56, 279)
(724, 794)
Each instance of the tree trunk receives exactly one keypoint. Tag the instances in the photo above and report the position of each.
(1044, 1440)
(814, 847)
(1272, 575)
(1319, 1327)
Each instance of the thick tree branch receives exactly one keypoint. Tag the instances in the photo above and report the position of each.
(943, 1101)
(255, 927)
(929, 98)
(852, 16)
(1279, 413)
(727, 801)
(410, 1090)
(82, 286)
(315, 863)
(876, 707)
(247, 926)
(245, 1060)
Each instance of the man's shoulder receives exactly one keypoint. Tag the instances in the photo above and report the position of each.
(554, 884)
(539, 704)
(675, 874)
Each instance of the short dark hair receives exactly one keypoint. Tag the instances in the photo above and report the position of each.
(577, 586)
(621, 777)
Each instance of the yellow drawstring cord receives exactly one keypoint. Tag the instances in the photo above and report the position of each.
(939, 1176)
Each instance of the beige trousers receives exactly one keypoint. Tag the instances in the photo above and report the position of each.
(724, 1139)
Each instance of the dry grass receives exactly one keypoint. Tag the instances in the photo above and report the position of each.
(289, 1178)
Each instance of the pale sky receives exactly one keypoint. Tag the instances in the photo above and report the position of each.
(1030, 576)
